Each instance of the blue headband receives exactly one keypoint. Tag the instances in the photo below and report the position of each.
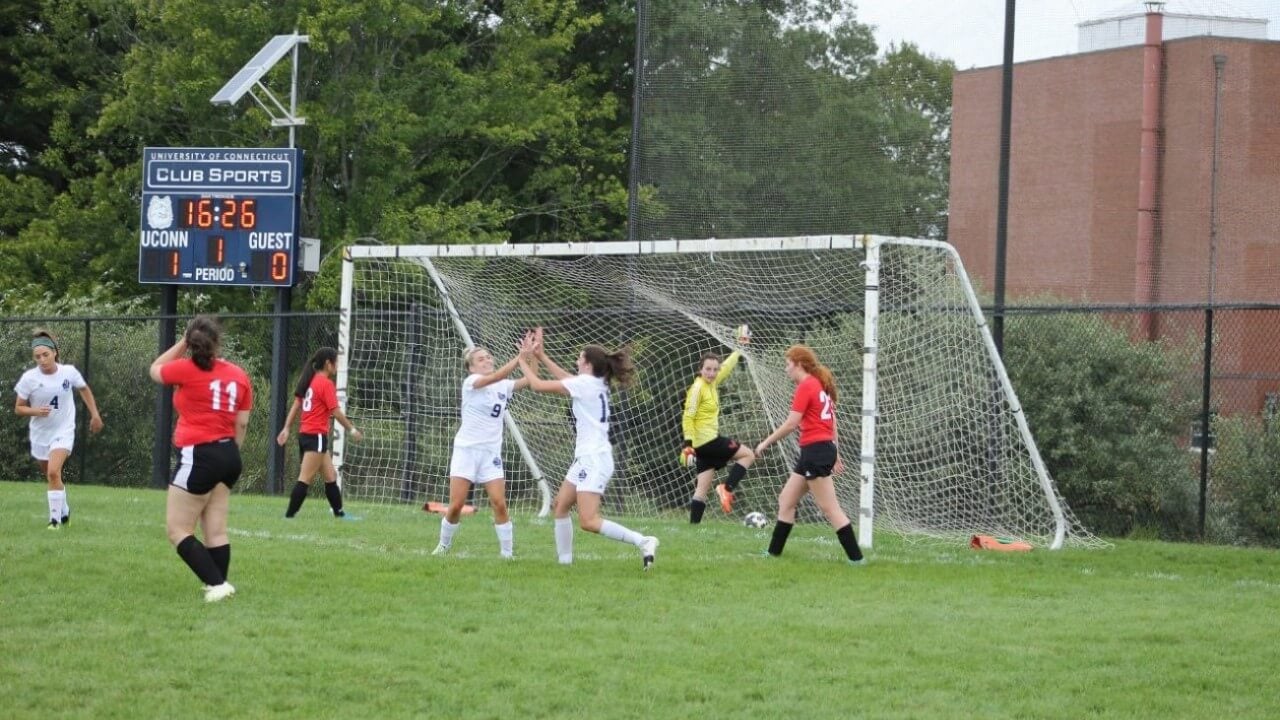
(43, 341)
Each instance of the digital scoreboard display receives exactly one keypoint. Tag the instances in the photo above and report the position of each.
(219, 216)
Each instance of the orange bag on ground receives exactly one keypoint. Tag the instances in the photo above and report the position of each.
(990, 542)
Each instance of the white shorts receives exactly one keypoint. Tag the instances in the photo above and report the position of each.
(477, 464)
(41, 451)
(591, 473)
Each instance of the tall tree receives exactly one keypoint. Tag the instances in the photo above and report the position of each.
(780, 118)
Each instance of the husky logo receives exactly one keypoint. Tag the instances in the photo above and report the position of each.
(502, 396)
(497, 461)
(160, 213)
(582, 474)
(66, 384)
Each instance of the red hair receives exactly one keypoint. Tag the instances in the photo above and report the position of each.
(802, 355)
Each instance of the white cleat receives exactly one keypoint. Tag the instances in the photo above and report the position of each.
(440, 550)
(214, 593)
(649, 548)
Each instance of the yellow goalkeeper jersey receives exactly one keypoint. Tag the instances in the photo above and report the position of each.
(702, 404)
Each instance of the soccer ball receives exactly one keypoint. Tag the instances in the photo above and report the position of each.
(755, 520)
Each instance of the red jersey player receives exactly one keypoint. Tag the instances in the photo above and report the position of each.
(813, 410)
(212, 398)
(317, 398)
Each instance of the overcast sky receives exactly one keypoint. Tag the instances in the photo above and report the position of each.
(971, 32)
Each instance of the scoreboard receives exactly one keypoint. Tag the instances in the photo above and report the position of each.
(219, 216)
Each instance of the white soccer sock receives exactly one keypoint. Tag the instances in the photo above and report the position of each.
(55, 504)
(505, 533)
(564, 540)
(66, 506)
(614, 531)
(447, 529)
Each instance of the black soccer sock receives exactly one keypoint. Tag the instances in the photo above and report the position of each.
(296, 498)
(779, 540)
(222, 558)
(696, 508)
(197, 557)
(849, 542)
(736, 473)
(334, 493)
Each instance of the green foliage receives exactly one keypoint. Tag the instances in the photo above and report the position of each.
(1106, 413)
(426, 124)
(438, 123)
(768, 119)
(1245, 485)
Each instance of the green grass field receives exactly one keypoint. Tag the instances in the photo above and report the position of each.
(357, 620)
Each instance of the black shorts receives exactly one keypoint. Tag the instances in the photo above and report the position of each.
(816, 460)
(313, 442)
(201, 467)
(715, 454)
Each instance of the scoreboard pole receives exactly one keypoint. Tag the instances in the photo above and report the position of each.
(279, 388)
(160, 451)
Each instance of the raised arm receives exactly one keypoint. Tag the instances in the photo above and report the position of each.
(537, 383)
(726, 367)
(498, 374)
(540, 353)
(168, 356)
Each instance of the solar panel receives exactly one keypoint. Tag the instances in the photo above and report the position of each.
(266, 58)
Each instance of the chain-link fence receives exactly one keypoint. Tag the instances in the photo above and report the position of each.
(114, 355)
(1116, 416)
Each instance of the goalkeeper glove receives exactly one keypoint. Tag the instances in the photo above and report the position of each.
(687, 457)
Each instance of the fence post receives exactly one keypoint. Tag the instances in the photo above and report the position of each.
(1204, 413)
(84, 437)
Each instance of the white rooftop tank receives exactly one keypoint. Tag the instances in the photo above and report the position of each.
(1130, 29)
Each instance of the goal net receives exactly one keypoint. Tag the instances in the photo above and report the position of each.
(932, 435)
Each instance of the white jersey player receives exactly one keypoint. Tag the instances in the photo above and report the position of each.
(46, 395)
(585, 483)
(477, 448)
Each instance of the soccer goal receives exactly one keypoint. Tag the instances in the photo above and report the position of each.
(932, 434)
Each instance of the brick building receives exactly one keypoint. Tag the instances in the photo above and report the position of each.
(1112, 179)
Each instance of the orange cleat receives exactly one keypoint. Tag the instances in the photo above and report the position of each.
(726, 498)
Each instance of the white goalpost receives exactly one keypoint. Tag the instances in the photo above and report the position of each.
(941, 442)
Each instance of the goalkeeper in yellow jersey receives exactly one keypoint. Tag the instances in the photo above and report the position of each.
(704, 448)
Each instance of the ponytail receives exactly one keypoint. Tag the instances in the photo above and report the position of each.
(823, 373)
(612, 366)
(314, 365)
